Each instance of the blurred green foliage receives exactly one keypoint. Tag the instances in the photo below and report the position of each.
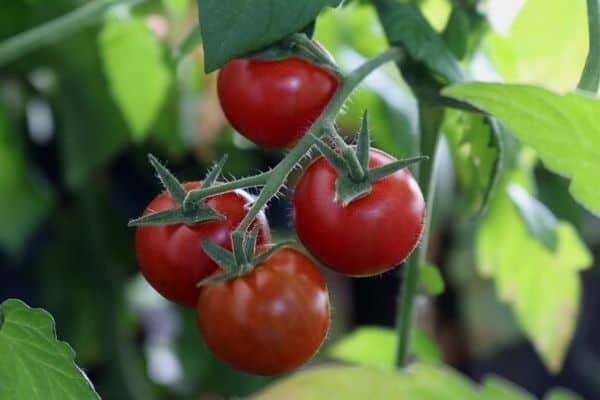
(78, 117)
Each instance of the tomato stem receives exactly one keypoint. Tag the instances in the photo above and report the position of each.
(590, 78)
(279, 174)
(63, 26)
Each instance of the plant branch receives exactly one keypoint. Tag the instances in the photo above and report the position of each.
(279, 174)
(590, 78)
(59, 28)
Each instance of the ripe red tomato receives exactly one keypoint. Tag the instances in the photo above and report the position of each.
(170, 256)
(369, 236)
(273, 103)
(270, 320)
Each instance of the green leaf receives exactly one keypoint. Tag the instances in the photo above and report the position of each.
(500, 389)
(563, 129)
(177, 7)
(34, 364)
(138, 77)
(456, 32)
(562, 394)
(420, 381)
(528, 276)
(233, 28)
(25, 198)
(546, 44)
(540, 222)
(376, 346)
(431, 280)
(476, 151)
(407, 27)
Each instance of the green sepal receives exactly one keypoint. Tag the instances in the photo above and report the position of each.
(223, 257)
(264, 256)
(168, 180)
(348, 190)
(215, 172)
(197, 213)
(334, 159)
(364, 142)
(250, 242)
(216, 279)
(388, 169)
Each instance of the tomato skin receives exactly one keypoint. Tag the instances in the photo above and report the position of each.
(270, 320)
(273, 103)
(170, 256)
(371, 234)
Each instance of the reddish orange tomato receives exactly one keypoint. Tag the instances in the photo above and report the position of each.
(170, 256)
(273, 103)
(370, 235)
(270, 320)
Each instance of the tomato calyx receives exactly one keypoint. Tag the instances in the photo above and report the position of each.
(297, 45)
(355, 178)
(186, 212)
(232, 267)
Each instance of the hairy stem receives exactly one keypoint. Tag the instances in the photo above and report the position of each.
(279, 174)
(59, 28)
(590, 78)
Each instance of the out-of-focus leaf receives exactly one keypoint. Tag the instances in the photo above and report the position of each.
(497, 388)
(25, 199)
(233, 28)
(528, 276)
(177, 7)
(90, 129)
(563, 129)
(476, 152)
(456, 32)
(562, 394)
(405, 26)
(431, 280)
(34, 364)
(540, 222)
(376, 346)
(546, 44)
(138, 77)
(420, 381)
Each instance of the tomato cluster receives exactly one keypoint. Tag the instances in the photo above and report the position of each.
(274, 316)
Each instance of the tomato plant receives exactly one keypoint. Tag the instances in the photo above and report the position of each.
(273, 103)
(371, 234)
(170, 256)
(270, 320)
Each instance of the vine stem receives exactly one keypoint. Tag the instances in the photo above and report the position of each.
(430, 118)
(273, 180)
(56, 29)
(590, 78)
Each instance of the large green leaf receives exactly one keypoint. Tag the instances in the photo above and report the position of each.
(25, 199)
(232, 28)
(420, 381)
(528, 276)
(34, 364)
(563, 129)
(546, 44)
(406, 26)
(138, 77)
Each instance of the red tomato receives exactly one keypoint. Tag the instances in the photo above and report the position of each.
(170, 256)
(273, 103)
(270, 320)
(369, 236)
